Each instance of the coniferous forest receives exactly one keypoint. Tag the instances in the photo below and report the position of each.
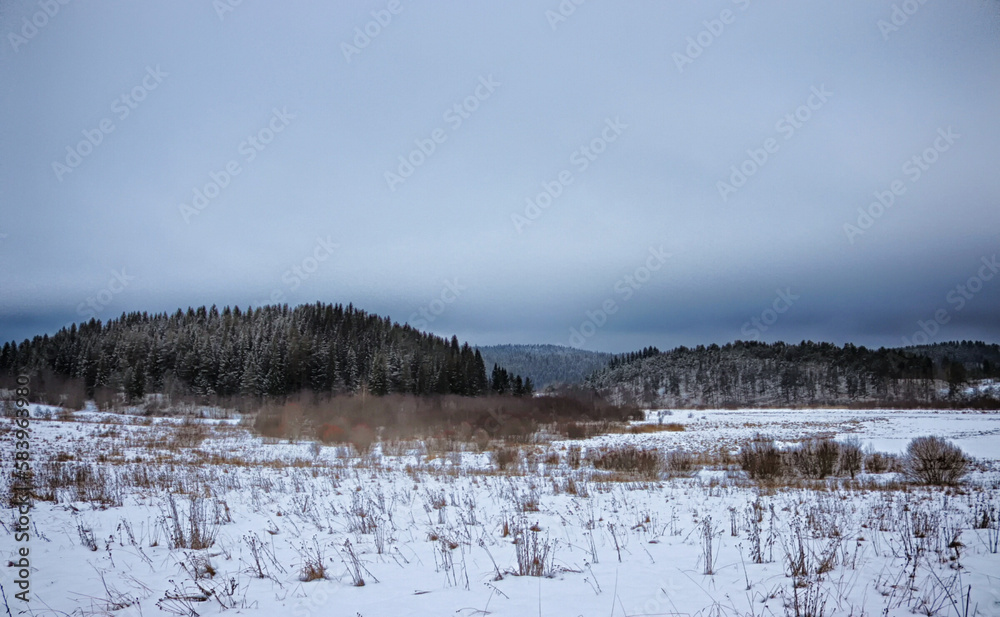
(808, 374)
(267, 351)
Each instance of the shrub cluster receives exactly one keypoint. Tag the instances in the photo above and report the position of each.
(335, 419)
(928, 460)
(503, 457)
(630, 459)
(761, 459)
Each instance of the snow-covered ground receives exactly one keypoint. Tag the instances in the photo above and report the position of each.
(976, 432)
(433, 532)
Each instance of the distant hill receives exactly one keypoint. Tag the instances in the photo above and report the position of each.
(267, 351)
(546, 364)
(751, 374)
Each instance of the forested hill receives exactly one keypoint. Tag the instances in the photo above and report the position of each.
(273, 350)
(546, 364)
(751, 374)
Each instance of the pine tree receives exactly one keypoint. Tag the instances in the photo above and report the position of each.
(480, 384)
(379, 383)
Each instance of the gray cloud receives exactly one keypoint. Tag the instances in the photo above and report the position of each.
(323, 176)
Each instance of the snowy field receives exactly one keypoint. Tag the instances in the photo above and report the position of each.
(166, 517)
(976, 432)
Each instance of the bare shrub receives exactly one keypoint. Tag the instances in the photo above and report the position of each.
(193, 529)
(575, 430)
(481, 439)
(189, 434)
(105, 398)
(534, 553)
(77, 481)
(398, 416)
(630, 459)
(827, 453)
(851, 456)
(86, 536)
(362, 437)
(262, 554)
(807, 601)
(877, 462)
(356, 569)
(707, 537)
(816, 458)
(679, 461)
(933, 460)
(669, 427)
(313, 563)
(74, 395)
(573, 456)
(316, 448)
(761, 459)
(504, 457)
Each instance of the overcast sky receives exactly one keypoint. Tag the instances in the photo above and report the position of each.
(615, 175)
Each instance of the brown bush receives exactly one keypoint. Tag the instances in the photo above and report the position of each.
(761, 459)
(482, 439)
(816, 458)
(933, 460)
(503, 457)
(679, 461)
(404, 417)
(331, 433)
(575, 430)
(851, 456)
(362, 437)
(630, 459)
(878, 462)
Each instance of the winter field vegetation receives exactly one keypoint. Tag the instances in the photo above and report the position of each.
(283, 511)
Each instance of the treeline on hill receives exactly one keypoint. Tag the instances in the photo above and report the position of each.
(632, 356)
(753, 374)
(969, 353)
(271, 351)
